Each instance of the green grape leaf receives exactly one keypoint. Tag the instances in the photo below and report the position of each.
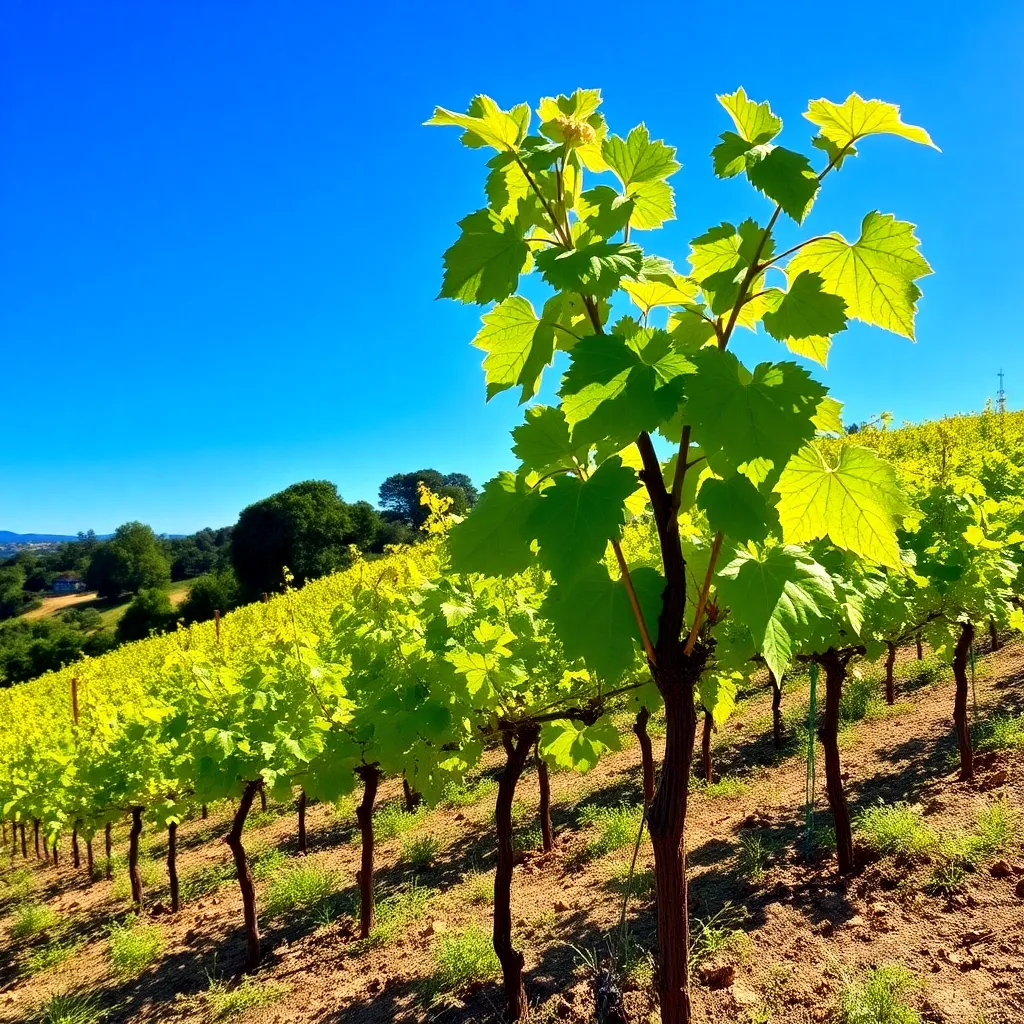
(690, 328)
(486, 124)
(845, 123)
(542, 442)
(519, 345)
(670, 289)
(493, 538)
(562, 118)
(738, 415)
(786, 178)
(875, 275)
(805, 311)
(720, 258)
(717, 691)
(507, 186)
(816, 347)
(828, 419)
(574, 520)
(617, 386)
(856, 503)
(755, 122)
(594, 619)
(637, 158)
(484, 264)
(573, 745)
(734, 154)
(736, 507)
(836, 155)
(653, 204)
(594, 269)
(603, 212)
(780, 595)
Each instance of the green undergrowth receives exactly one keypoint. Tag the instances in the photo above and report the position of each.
(880, 998)
(727, 787)
(462, 958)
(755, 856)
(480, 888)
(1000, 732)
(266, 861)
(392, 820)
(719, 933)
(995, 827)
(133, 947)
(31, 919)
(256, 820)
(224, 1001)
(69, 1008)
(51, 955)
(395, 912)
(16, 886)
(467, 795)
(151, 872)
(420, 851)
(615, 827)
(896, 829)
(302, 886)
(200, 882)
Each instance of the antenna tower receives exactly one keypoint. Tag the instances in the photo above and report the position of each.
(1001, 394)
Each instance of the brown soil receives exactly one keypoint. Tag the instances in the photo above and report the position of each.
(52, 605)
(805, 932)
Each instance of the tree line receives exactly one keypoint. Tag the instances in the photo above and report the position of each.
(307, 527)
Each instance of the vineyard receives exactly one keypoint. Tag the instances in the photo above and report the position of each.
(659, 730)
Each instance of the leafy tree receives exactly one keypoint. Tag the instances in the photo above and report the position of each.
(745, 475)
(400, 500)
(12, 592)
(130, 561)
(306, 528)
(149, 612)
(210, 593)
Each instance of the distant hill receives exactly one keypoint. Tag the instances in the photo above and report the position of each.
(6, 537)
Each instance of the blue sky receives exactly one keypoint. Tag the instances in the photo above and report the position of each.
(221, 224)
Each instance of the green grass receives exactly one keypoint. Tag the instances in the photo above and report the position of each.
(392, 820)
(643, 878)
(480, 887)
(755, 857)
(420, 851)
(69, 1008)
(201, 881)
(223, 1002)
(304, 886)
(266, 862)
(133, 947)
(994, 827)
(527, 840)
(259, 819)
(616, 827)
(464, 957)
(50, 955)
(16, 886)
(396, 912)
(1000, 732)
(727, 787)
(31, 919)
(946, 879)
(467, 795)
(895, 829)
(715, 934)
(880, 998)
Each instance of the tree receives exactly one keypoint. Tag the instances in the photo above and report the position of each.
(307, 528)
(210, 593)
(149, 612)
(400, 498)
(12, 592)
(130, 561)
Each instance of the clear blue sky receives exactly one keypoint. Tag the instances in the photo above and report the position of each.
(221, 224)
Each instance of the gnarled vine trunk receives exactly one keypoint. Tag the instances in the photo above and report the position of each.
(961, 654)
(643, 716)
(705, 749)
(370, 774)
(412, 798)
(35, 836)
(517, 750)
(890, 675)
(54, 852)
(108, 846)
(667, 822)
(302, 821)
(24, 843)
(263, 798)
(835, 673)
(90, 863)
(133, 857)
(244, 875)
(75, 860)
(203, 813)
(778, 730)
(920, 647)
(172, 865)
(993, 634)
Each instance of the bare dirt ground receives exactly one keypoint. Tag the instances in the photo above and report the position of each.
(795, 933)
(52, 605)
